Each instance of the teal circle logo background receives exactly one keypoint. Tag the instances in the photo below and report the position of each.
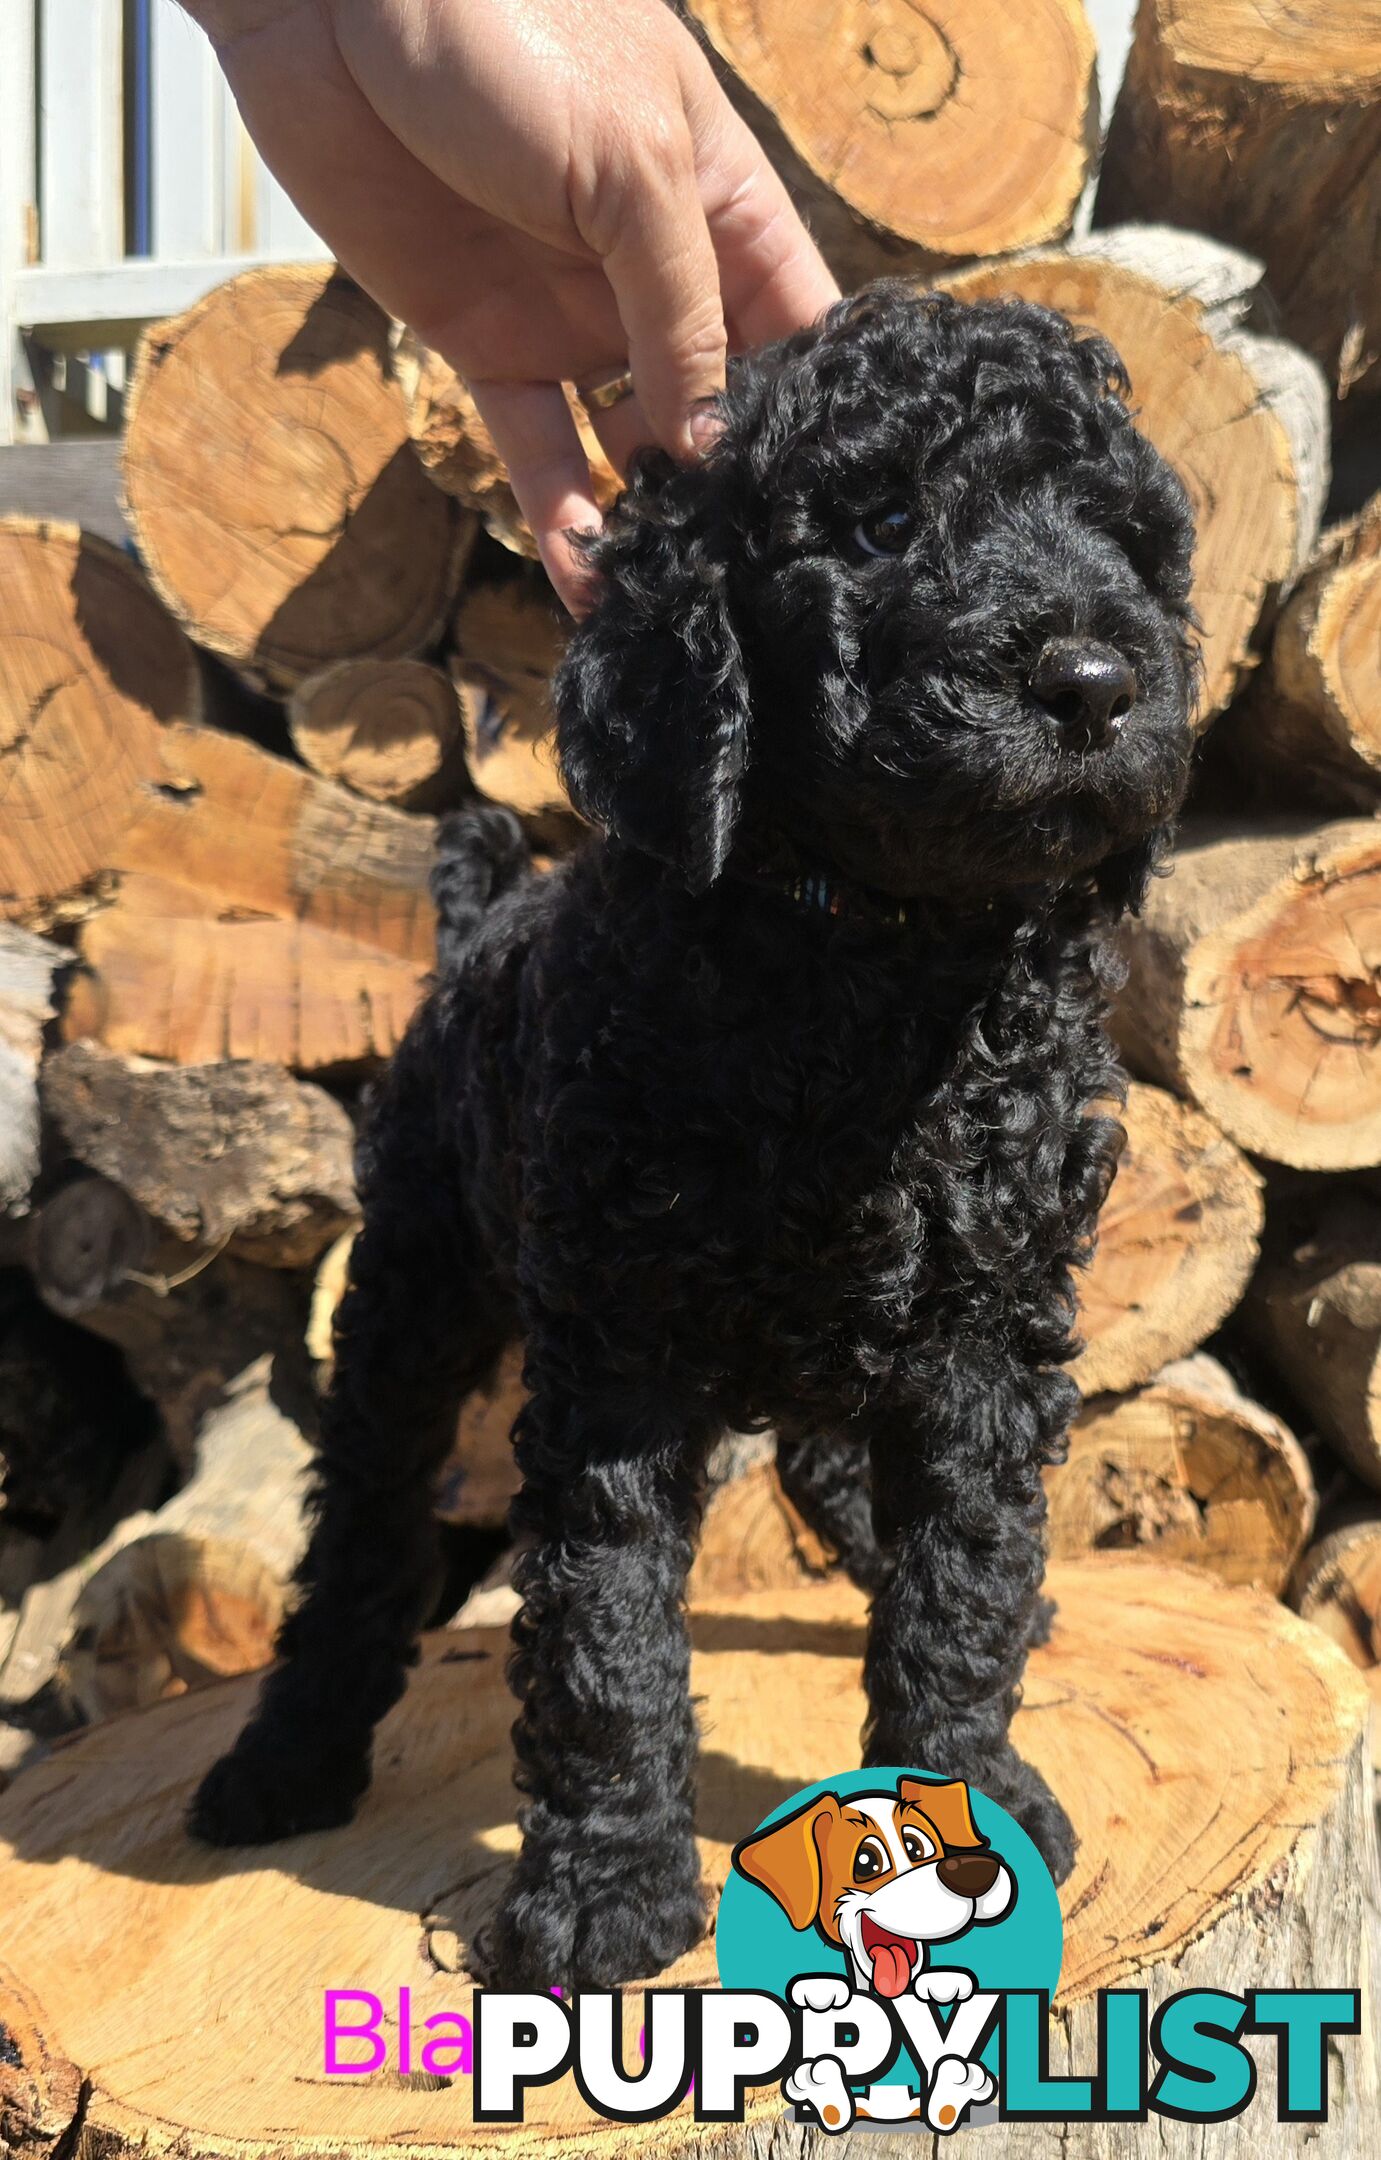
(757, 1947)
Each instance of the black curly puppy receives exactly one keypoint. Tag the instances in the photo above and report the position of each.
(773, 1104)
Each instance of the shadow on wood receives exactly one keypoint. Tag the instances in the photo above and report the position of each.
(1209, 1745)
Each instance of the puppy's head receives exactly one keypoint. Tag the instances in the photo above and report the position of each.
(882, 1874)
(923, 611)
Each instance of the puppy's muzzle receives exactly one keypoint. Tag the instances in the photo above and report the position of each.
(967, 1874)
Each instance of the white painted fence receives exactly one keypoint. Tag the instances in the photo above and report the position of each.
(69, 280)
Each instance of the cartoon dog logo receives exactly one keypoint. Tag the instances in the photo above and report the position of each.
(881, 1875)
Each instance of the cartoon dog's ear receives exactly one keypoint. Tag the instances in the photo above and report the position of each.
(652, 696)
(947, 1806)
(785, 1860)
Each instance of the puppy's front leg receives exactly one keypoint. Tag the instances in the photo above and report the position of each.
(607, 1888)
(960, 1510)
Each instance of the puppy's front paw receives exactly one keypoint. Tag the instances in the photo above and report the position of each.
(1024, 1793)
(946, 1984)
(820, 1991)
(955, 2087)
(820, 2086)
(259, 1793)
(554, 1929)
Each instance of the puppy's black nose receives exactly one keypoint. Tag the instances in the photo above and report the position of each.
(967, 1874)
(1087, 689)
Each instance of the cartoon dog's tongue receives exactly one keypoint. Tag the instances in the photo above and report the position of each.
(892, 1957)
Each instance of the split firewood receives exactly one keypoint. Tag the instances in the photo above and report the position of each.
(1243, 419)
(29, 971)
(508, 641)
(235, 1155)
(187, 1320)
(389, 730)
(1209, 1744)
(1255, 987)
(1314, 1311)
(198, 1590)
(1257, 122)
(1187, 1470)
(271, 484)
(91, 670)
(1176, 1244)
(255, 911)
(1338, 1586)
(457, 450)
(896, 130)
(754, 1538)
(1312, 718)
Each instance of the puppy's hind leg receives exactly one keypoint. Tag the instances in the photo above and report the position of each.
(826, 1477)
(607, 1887)
(416, 1330)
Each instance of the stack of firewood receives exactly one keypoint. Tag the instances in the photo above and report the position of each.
(221, 757)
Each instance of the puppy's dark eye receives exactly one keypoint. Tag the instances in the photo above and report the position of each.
(870, 1861)
(918, 1846)
(885, 532)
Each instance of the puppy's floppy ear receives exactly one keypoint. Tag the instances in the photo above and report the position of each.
(947, 1806)
(652, 696)
(1122, 881)
(784, 1860)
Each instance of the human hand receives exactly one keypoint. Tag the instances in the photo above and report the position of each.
(545, 190)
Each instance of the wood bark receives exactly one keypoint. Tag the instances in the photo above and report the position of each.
(457, 450)
(1311, 722)
(1177, 1242)
(1242, 418)
(271, 483)
(896, 129)
(1189, 1471)
(29, 971)
(1257, 120)
(1338, 1586)
(1218, 1847)
(1314, 1310)
(197, 1590)
(389, 730)
(91, 672)
(188, 1320)
(1254, 987)
(508, 640)
(238, 1155)
(255, 911)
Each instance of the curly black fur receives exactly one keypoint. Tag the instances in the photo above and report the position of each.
(721, 1157)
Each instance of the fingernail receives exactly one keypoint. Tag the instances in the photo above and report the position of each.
(706, 423)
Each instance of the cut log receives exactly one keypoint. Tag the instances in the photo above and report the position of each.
(1188, 1471)
(1254, 988)
(1338, 1586)
(1243, 419)
(29, 971)
(90, 670)
(1220, 1847)
(1176, 1244)
(896, 128)
(188, 1320)
(753, 1538)
(197, 1591)
(1314, 1310)
(508, 640)
(457, 450)
(257, 912)
(1312, 719)
(271, 484)
(240, 1155)
(1255, 120)
(389, 730)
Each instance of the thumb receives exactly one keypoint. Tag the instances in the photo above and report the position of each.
(662, 268)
